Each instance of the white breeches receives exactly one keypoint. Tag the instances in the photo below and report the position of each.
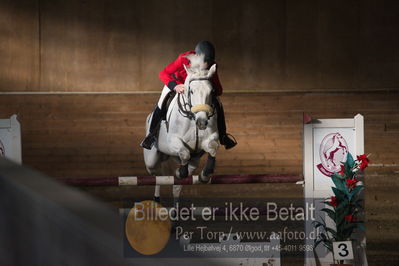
(165, 92)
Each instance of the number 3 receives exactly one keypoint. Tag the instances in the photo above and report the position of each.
(343, 250)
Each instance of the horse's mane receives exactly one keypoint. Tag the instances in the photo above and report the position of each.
(197, 64)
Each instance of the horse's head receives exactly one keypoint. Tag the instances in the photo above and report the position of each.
(199, 89)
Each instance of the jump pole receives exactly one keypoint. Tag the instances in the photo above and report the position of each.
(190, 180)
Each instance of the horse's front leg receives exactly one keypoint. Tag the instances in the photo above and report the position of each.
(210, 145)
(206, 173)
(179, 148)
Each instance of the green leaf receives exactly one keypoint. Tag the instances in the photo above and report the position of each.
(347, 232)
(329, 212)
(348, 171)
(339, 182)
(323, 236)
(323, 221)
(356, 190)
(328, 245)
(317, 224)
(337, 176)
(332, 231)
(341, 195)
(342, 206)
(339, 219)
(341, 213)
(316, 243)
(349, 160)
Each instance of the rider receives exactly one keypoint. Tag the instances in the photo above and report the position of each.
(173, 76)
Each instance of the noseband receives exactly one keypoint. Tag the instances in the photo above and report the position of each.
(187, 110)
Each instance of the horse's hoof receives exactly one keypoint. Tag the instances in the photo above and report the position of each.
(177, 174)
(204, 179)
(157, 199)
(182, 172)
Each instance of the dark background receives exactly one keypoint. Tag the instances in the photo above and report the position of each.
(111, 46)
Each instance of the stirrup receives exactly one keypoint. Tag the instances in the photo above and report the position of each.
(148, 141)
(228, 142)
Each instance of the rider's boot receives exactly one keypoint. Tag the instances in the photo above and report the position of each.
(151, 138)
(223, 136)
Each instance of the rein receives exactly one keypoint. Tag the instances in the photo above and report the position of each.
(187, 110)
(183, 110)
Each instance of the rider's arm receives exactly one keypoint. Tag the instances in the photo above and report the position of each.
(167, 74)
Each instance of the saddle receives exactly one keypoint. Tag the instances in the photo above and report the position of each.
(166, 103)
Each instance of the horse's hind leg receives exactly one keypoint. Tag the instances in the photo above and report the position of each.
(157, 193)
(152, 159)
(178, 188)
(176, 192)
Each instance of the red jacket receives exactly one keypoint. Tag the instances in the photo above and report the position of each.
(174, 74)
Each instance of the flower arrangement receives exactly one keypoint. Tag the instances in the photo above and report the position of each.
(345, 205)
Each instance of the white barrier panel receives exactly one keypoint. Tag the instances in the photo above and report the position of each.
(10, 139)
(326, 143)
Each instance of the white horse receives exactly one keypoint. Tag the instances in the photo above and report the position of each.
(189, 131)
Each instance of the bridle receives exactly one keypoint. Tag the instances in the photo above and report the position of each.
(186, 109)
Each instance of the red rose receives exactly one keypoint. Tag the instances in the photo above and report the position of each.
(350, 218)
(333, 201)
(364, 161)
(351, 183)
